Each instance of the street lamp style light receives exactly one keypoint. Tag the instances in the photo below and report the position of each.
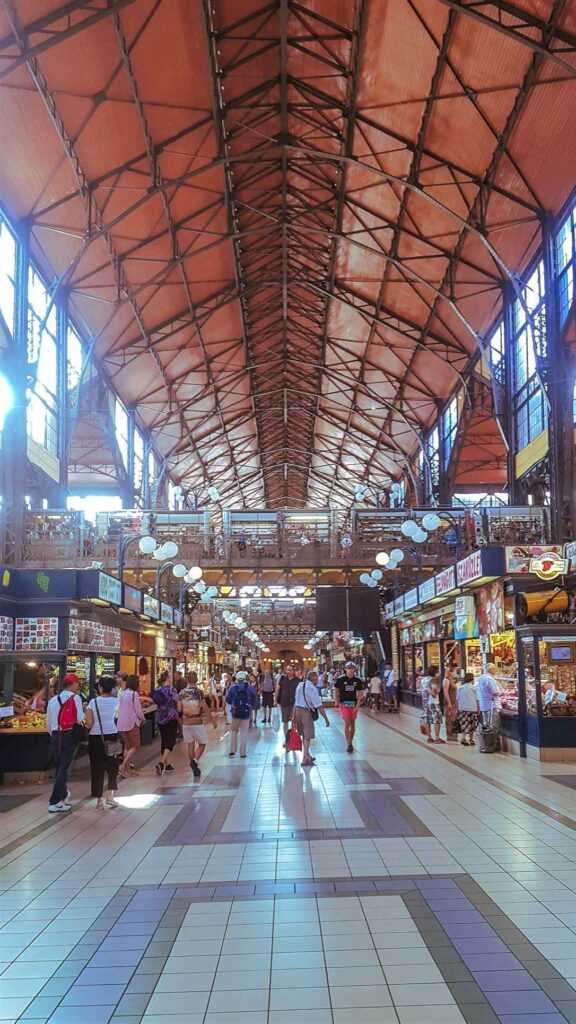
(146, 543)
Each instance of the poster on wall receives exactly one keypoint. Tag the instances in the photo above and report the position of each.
(490, 608)
(109, 588)
(151, 606)
(6, 632)
(34, 634)
(518, 558)
(465, 618)
(88, 635)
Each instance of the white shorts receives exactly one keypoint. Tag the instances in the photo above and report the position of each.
(195, 734)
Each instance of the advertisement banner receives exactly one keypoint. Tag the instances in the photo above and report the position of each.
(490, 608)
(410, 599)
(445, 581)
(469, 568)
(87, 635)
(109, 588)
(390, 610)
(167, 614)
(132, 598)
(426, 591)
(518, 558)
(151, 606)
(399, 605)
(465, 618)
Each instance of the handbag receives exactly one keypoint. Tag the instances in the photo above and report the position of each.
(112, 748)
(293, 740)
(313, 711)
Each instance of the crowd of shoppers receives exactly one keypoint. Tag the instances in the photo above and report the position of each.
(460, 701)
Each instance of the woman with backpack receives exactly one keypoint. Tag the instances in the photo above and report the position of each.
(241, 699)
(167, 701)
(130, 719)
(104, 743)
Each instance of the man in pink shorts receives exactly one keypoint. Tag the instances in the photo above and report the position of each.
(349, 696)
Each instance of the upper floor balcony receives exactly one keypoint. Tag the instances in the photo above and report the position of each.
(264, 540)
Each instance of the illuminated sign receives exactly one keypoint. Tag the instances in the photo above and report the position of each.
(519, 557)
(445, 581)
(109, 588)
(132, 598)
(469, 569)
(151, 606)
(549, 565)
(167, 614)
(426, 590)
(399, 605)
(411, 599)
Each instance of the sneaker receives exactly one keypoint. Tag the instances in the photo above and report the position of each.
(159, 768)
(169, 768)
(60, 808)
(242, 755)
(195, 769)
(349, 749)
(232, 753)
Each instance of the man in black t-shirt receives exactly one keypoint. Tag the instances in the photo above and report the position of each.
(285, 696)
(349, 696)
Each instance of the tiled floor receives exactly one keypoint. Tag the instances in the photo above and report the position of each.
(398, 885)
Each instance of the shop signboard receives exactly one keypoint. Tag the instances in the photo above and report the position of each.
(411, 599)
(405, 637)
(109, 588)
(167, 614)
(151, 606)
(445, 581)
(490, 608)
(390, 610)
(132, 598)
(549, 566)
(465, 618)
(518, 558)
(427, 590)
(399, 605)
(484, 562)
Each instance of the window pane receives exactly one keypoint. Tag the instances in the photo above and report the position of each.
(7, 274)
(75, 359)
(121, 428)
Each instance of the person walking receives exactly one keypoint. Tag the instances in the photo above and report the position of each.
(468, 710)
(195, 712)
(450, 691)
(241, 700)
(167, 700)
(390, 687)
(376, 692)
(64, 721)
(349, 696)
(285, 694)
(307, 706)
(130, 719)
(104, 743)
(267, 694)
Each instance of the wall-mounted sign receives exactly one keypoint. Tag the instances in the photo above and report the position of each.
(87, 635)
(570, 554)
(410, 599)
(469, 568)
(132, 598)
(36, 634)
(109, 588)
(390, 610)
(445, 581)
(399, 605)
(6, 633)
(518, 558)
(465, 619)
(151, 606)
(167, 614)
(490, 608)
(548, 566)
(427, 590)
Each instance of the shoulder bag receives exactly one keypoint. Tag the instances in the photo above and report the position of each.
(112, 748)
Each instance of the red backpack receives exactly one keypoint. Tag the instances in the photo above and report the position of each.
(68, 714)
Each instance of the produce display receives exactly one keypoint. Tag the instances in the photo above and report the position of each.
(30, 720)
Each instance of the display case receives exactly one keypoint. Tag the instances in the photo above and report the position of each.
(547, 692)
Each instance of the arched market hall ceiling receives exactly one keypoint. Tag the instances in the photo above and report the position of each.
(286, 228)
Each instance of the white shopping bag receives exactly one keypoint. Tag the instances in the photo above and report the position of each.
(276, 719)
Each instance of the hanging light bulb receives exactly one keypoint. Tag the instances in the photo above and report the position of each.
(377, 574)
(147, 545)
(431, 521)
(195, 573)
(364, 578)
(409, 527)
(179, 571)
(199, 587)
(420, 537)
(159, 554)
(397, 555)
(383, 558)
(372, 582)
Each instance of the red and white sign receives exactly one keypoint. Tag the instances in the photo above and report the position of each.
(469, 569)
(445, 581)
(549, 566)
(518, 558)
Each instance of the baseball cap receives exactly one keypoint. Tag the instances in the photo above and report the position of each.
(241, 677)
(71, 677)
(350, 664)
